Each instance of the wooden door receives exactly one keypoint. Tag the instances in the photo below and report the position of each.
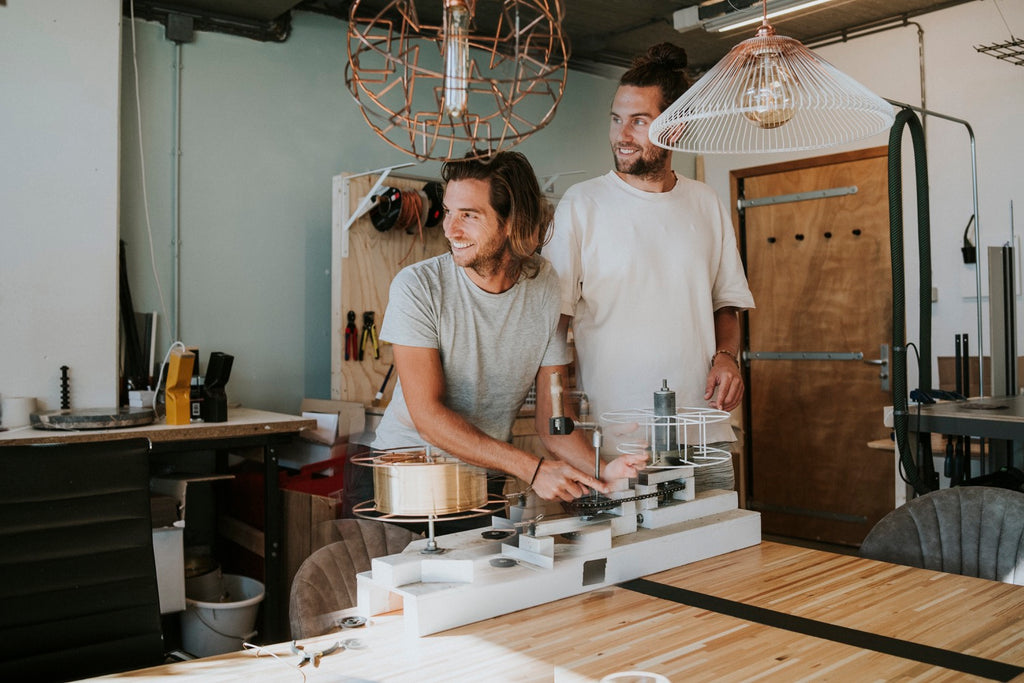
(820, 273)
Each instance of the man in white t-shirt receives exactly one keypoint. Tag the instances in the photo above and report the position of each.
(474, 328)
(650, 273)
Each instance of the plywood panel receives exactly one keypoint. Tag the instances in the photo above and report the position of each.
(362, 278)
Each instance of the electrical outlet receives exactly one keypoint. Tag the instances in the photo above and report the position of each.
(935, 294)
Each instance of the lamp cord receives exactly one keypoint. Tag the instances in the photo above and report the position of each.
(142, 165)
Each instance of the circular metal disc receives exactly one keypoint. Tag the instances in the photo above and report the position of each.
(496, 534)
(352, 622)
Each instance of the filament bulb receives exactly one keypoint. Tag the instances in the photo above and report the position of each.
(456, 57)
(766, 97)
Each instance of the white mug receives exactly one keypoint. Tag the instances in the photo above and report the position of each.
(16, 411)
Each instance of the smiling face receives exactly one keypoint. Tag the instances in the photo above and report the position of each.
(636, 157)
(478, 239)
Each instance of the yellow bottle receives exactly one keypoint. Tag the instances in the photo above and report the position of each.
(179, 386)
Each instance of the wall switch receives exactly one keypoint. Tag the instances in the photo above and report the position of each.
(935, 294)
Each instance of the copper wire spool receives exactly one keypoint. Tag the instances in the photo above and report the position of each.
(413, 482)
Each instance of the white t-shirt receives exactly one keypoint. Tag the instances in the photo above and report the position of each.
(491, 345)
(642, 274)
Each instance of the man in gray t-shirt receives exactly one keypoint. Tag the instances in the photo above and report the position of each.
(473, 329)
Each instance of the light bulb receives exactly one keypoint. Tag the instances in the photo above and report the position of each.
(766, 96)
(456, 57)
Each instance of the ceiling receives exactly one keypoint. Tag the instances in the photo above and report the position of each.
(604, 35)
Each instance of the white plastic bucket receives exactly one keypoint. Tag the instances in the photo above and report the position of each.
(213, 628)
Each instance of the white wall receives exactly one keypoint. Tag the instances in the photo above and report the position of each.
(962, 83)
(59, 199)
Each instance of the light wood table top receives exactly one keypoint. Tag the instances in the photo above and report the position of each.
(804, 615)
(241, 422)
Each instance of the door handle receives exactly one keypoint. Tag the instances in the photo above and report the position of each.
(882, 361)
(883, 364)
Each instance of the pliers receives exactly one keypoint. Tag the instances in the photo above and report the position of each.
(369, 335)
(316, 655)
(351, 337)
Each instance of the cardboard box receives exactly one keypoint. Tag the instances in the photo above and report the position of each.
(338, 422)
(169, 553)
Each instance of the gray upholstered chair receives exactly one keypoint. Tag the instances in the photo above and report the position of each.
(970, 530)
(326, 580)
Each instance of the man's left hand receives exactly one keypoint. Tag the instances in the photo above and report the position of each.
(624, 467)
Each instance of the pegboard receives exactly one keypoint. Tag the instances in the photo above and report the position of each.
(364, 261)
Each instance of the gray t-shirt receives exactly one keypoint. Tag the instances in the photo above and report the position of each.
(491, 345)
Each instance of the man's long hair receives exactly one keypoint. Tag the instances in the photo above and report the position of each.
(516, 197)
(663, 66)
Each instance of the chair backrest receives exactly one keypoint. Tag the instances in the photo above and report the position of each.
(326, 580)
(969, 530)
(78, 587)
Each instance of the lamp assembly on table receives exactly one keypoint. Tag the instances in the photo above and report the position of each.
(654, 522)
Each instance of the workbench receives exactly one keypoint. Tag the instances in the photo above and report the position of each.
(767, 612)
(992, 418)
(245, 427)
(997, 419)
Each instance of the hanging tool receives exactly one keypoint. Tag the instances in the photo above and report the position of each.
(369, 335)
(351, 337)
(383, 385)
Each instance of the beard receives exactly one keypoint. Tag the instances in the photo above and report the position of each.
(651, 161)
(488, 260)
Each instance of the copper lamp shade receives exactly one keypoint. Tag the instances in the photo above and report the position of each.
(439, 78)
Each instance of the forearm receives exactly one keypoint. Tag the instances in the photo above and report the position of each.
(449, 431)
(419, 370)
(422, 378)
(727, 331)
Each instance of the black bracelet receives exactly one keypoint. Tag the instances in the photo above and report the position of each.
(537, 471)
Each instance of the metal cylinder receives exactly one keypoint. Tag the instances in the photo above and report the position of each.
(665, 423)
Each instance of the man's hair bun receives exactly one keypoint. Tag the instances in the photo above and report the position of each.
(662, 66)
(663, 54)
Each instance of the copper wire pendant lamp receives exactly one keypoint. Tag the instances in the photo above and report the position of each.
(770, 94)
(435, 85)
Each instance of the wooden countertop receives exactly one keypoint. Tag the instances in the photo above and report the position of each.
(803, 615)
(241, 422)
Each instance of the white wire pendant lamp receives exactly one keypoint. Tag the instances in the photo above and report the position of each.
(770, 94)
(438, 89)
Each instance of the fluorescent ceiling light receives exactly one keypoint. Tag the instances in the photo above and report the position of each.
(754, 14)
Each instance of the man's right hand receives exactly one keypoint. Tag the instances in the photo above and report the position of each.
(557, 480)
